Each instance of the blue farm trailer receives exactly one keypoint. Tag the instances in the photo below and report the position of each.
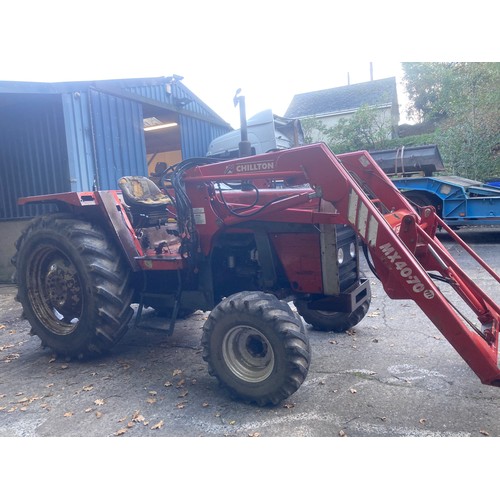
(458, 201)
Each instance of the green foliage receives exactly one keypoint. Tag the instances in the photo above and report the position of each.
(463, 100)
(365, 129)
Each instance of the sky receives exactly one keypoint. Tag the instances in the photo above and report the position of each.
(272, 50)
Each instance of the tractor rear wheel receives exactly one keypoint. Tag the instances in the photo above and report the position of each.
(327, 321)
(256, 346)
(73, 285)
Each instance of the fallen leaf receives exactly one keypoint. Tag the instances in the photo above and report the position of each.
(484, 433)
(2, 327)
(205, 405)
(342, 433)
(181, 383)
(88, 388)
(68, 414)
(232, 422)
(151, 400)
(88, 410)
(130, 424)
(183, 394)
(168, 384)
(422, 421)
(159, 425)
(120, 432)
(98, 414)
(153, 393)
(137, 417)
(288, 405)
(353, 391)
(181, 405)
(63, 367)
(176, 372)
(99, 402)
(254, 434)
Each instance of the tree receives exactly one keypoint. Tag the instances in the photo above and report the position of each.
(463, 100)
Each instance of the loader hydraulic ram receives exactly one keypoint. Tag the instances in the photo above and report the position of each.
(405, 253)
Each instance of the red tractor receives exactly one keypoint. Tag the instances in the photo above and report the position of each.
(244, 238)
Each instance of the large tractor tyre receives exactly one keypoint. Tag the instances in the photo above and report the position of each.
(256, 346)
(73, 285)
(327, 321)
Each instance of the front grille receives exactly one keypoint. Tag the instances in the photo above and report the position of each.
(348, 270)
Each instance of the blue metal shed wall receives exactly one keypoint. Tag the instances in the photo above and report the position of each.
(33, 158)
(118, 137)
(81, 153)
(196, 136)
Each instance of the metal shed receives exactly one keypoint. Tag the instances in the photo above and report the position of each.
(77, 136)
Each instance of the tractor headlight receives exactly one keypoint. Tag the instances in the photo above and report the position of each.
(340, 256)
(352, 250)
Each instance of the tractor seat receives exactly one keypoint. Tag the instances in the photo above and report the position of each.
(147, 205)
(143, 192)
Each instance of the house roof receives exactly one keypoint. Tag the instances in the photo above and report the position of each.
(341, 99)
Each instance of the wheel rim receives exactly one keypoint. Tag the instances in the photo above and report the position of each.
(248, 354)
(54, 290)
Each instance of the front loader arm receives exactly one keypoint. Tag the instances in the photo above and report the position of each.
(403, 247)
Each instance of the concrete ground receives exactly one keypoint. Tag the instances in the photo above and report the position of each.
(393, 375)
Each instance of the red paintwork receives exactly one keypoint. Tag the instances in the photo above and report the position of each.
(402, 244)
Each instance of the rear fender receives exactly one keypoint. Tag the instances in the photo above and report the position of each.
(108, 207)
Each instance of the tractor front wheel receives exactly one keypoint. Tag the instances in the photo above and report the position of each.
(73, 285)
(256, 346)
